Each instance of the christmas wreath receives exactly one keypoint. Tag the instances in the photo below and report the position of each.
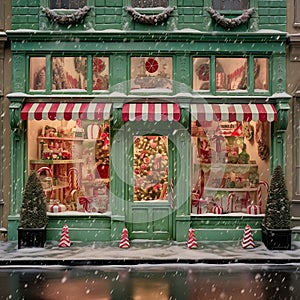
(230, 23)
(150, 19)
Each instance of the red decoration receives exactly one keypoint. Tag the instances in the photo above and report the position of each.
(218, 210)
(124, 242)
(65, 239)
(98, 65)
(253, 209)
(203, 72)
(192, 243)
(151, 65)
(248, 242)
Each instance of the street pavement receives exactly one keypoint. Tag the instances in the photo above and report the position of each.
(145, 252)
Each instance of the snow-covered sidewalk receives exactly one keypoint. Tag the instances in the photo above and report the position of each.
(145, 252)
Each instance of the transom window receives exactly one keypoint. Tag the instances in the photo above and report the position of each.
(230, 4)
(149, 3)
(67, 4)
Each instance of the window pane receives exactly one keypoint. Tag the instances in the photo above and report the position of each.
(69, 73)
(67, 4)
(150, 168)
(100, 73)
(37, 73)
(151, 73)
(261, 70)
(201, 72)
(77, 153)
(231, 74)
(231, 4)
(149, 3)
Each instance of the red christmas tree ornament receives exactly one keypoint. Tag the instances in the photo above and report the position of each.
(151, 65)
(192, 243)
(253, 209)
(248, 242)
(218, 210)
(65, 239)
(124, 242)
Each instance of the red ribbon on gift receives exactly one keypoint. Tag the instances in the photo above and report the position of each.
(84, 201)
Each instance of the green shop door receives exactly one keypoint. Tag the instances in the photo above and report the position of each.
(150, 203)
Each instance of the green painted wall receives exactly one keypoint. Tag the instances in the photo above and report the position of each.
(109, 14)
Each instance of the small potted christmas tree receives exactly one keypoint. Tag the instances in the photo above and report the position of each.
(276, 226)
(33, 216)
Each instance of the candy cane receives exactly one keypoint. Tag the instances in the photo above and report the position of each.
(259, 193)
(74, 171)
(231, 198)
(40, 170)
(46, 169)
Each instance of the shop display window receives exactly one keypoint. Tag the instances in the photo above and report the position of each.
(231, 74)
(201, 73)
(37, 74)
(261, 70)
(100, 73)
(72, 159)
(67, 4)
(148, 73)
(230, 171)
(150, 168)
(69, 73)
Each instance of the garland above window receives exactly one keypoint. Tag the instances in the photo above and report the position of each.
(227, 22)
(74, 18)
(150, 19)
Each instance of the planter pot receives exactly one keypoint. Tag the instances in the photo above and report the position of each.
(31, 237)
(276, 239)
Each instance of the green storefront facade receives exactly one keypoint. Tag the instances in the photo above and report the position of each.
(149, 74)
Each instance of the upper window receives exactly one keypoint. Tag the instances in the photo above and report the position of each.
(69, 73)
(151, 73)
(231, 74)
(67, 4)
(149, 3)
(231, 4)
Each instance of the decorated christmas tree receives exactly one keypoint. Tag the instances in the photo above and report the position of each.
(34, 207)
(277, 214)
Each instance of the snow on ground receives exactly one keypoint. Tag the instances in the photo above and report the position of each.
(148, 250)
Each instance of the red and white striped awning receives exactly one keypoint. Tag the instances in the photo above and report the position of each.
(233, 112)
(150, 112)
(66, 111)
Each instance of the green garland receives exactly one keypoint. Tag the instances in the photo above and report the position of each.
(74, 18)
(150, 19)
(230, 23)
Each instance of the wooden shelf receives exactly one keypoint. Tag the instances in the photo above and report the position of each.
(231, 189)
(54, 138)
(56, 161)
(57, 187)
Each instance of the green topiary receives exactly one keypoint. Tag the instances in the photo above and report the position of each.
(34, 206)
(277, 214)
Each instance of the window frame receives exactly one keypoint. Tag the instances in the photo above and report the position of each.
(297, 13)
(250, 76)
(65, 8)
(48, 87)
(230, 9)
